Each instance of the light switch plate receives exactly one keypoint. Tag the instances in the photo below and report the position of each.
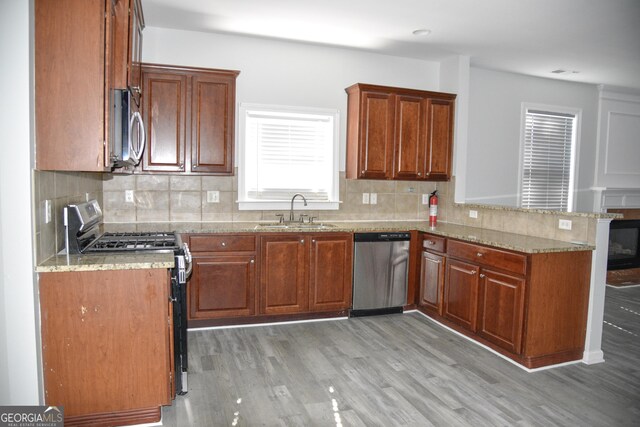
(564, 224)
(425, 199)
(365, 198)
(128, 196)
(373, 198)
(213, 196)
(473, 213)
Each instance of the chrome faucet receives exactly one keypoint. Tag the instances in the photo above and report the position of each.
(291, 216)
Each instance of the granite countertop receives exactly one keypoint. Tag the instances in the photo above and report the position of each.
(97, 262)
(499, 239)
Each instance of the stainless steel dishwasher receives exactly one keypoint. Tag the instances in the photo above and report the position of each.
(380, 269)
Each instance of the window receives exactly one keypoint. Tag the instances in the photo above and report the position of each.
(284, 151)
(548, 153)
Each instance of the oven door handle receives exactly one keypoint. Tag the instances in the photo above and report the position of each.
(188, 261)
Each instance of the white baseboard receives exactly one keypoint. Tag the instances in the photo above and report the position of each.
(593, 357)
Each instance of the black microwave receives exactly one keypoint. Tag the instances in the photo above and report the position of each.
(128, 136)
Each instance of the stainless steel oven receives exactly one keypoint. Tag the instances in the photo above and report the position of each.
(82, 235)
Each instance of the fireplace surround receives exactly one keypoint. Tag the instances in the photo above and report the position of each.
(624, 241)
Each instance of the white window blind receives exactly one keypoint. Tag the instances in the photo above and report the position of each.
(547, 164)
(287, 151)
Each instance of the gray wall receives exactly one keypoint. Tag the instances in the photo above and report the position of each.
(493, 148)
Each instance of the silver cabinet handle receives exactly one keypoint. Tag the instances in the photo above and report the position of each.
(431, 242)
(479, 254)
(482, 276)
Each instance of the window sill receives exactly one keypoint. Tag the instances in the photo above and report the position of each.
(271, 205)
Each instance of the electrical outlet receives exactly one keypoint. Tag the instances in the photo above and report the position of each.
(128, 196)
(47, 211)
(213, 197)
(373, 198)
(473, 214)
(564, 224)
(365, 198)
(425, 199)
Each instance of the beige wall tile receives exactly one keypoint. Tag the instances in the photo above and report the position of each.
(406, 206)
(379, 186)
(152, 182)
(385, 206)
(220, 183)
(536, 224)
(224, 206)
(358, 186)
(152, 206)
(579, 230)
(492, 219)
(185, 183)
(115, 209)
(113, 182)
(185, 206)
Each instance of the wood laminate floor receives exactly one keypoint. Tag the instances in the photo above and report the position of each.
(402, 370)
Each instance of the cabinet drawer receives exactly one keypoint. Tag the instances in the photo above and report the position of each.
(505, 260)
(433, 243)
(222, 243)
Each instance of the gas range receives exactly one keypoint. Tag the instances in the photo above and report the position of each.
(134, 241)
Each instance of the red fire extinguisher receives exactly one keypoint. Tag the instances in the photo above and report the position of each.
(433, 209)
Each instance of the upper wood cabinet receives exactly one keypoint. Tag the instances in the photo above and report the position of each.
(189, 114)
(129, 24)
(72, 83)
(396, 133)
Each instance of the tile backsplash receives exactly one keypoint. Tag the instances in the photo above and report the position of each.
(61, 189)
(173, 198)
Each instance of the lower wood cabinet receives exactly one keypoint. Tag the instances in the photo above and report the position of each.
(461, 293)
(432, 276)
(501, 309)
(253, 277)
(305, 272)
(529, 307)
(222, 286)
(283, 270)
(107, 344)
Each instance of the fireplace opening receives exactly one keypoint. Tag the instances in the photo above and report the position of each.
(624, 239)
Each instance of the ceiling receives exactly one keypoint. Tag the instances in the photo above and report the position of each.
(593, 41)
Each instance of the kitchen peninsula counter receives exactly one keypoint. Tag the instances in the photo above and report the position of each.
(100, 262)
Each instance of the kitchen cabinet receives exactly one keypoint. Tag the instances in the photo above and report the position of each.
(74, 41)
(129, 24)
(305, 272)
(283, 270)
(432, 273)
(529, 307)
(397, 133)
(330, 272)
(223, 280)
(190, 118)
(107, 344)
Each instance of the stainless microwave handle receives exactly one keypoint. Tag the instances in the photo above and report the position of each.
(136, 155)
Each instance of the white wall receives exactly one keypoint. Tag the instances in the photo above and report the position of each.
(618, 163)
(19, 347)
(493, 147)
(286, 73)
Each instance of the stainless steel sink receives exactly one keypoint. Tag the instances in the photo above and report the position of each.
(295, 225)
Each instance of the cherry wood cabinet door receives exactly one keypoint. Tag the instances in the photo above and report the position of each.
(330, 272)
(376, 139)
(165, 116)
(106, 342)
(283, 274)
(432, 281)
(222, 286)
(71, 91)
(440, 123)
(501, 309)
(212, 122)
(410, 137)
(461, 293)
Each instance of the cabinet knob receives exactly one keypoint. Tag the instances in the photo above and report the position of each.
(181, 165)
(224, 244)
(313, 240)
(482, 276)
(253, 261)
(362, 172)
(419, 173)
(431, 242)
(479, 254)
(473, 272)
(301, 240)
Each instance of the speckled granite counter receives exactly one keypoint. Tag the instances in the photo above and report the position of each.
(511, 241)
(92, 262)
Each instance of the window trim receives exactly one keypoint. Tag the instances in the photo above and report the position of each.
(260, 205)
(575, 150)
